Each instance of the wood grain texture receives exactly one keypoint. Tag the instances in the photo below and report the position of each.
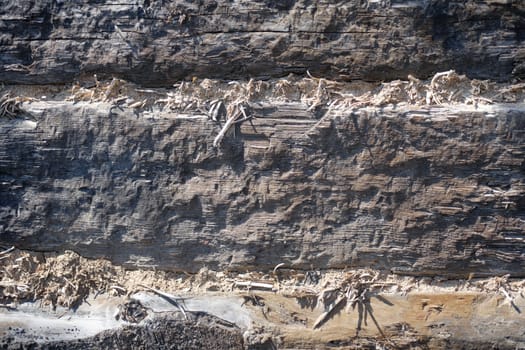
(158, 43)
(411, 190)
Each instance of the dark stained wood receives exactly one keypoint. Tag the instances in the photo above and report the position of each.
(157, 43)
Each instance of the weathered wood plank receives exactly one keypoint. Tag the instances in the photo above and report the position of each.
(158, 43)
(416, 190)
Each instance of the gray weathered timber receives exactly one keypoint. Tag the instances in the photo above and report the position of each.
(410, 190)
(158, 42)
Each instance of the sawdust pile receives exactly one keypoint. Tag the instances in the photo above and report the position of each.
(68, 279)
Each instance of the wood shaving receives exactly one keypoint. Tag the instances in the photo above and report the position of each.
(68, 279)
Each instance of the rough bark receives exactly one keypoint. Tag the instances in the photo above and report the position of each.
(158, 42)
(416, 190)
